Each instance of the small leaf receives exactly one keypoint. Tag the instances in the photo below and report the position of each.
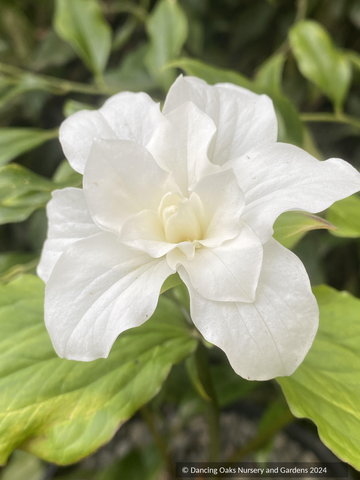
(123, 34)
(14, 264)
(9, 260)
(82, 24)
(354, 58)
(65, 176)
(290, 125)
(326, 388)
(320, 61)
(62, 410)
(269, 74)
(345, 215)
(15, 141)
(21, 193)
(211, 74)
(290, 227)
(72, 106)
(20, 31)
(167, 29)
(52, 51)
(132, 74)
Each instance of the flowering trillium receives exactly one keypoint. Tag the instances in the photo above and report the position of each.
(194, 189)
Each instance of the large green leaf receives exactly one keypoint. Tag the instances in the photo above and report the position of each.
(82, 24)
(167, 28)
(290, 227)
(290, 125)
(326, 387)
(63, 410)
(15, 141)
(320, 61)
(345, 215)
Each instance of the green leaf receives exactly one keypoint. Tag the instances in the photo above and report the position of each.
(52, 51)
(290, 227)
(82, 24)
(167, 29)
(14, 264)
(211, 74)
(23, 465)
(132, 74)
(63, 410)
(290, 125)
(21, 193)
(326, 387)
(66, 176)
(15, 141)
(17, 27)
(10, 89)
(320, 61)
(269, 74)
(345, 215)
(123, 33)
(72, 106)
(9, 260)
(173, 281)
(354, 58)
(310, 146)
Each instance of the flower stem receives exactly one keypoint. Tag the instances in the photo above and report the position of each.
(212, 407)
(330, 117)
(160, 443)
(301, 10)
(57, 85)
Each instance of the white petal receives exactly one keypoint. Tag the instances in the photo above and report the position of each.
(281, 177)
(223, 202)
(270, 337)
(127, 116)
(180, 144)
(121, 179)
(243, 119)
(226, 273)
(144, 231)
(98, 289)
(69, 221)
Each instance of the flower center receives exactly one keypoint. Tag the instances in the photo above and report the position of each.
(179, 217)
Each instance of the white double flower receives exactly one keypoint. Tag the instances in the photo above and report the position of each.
(194, 189)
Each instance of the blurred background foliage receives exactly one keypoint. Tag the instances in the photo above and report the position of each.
(57, 57)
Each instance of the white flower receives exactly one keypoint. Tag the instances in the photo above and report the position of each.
(194, 189)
